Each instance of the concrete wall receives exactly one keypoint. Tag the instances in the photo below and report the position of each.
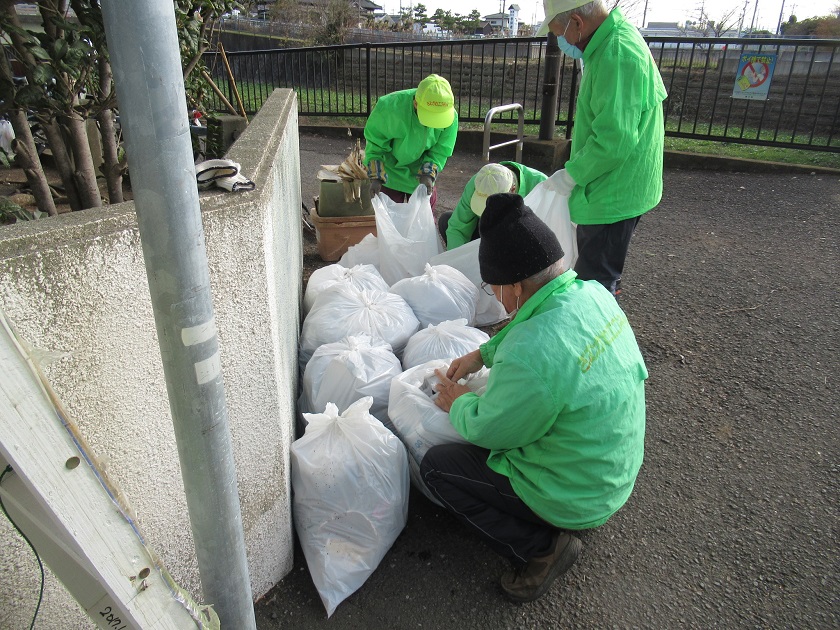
(77, 283)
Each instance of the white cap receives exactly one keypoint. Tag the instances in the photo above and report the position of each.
(490, 180)
(555, 7)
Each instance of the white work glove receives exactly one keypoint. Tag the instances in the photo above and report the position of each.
(237, 183)
(561, 183)
(209, 171)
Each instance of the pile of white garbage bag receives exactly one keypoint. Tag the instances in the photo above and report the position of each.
(377, 325)
(350, 480)
(419, 422)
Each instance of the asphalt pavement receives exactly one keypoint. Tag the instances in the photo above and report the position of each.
(731, 290)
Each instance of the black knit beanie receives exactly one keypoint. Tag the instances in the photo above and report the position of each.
(515, 243)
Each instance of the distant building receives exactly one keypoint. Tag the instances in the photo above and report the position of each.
(513, 19)
(392, 20)
(674, 29)
(662, 26)
(662, 29)
(484, 29)
(500, 23)
(365, 7)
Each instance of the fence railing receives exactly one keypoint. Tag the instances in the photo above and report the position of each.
(802, 109)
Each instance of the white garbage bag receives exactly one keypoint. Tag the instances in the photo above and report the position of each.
(7, 134)
(549, 206)
(343, 310)
(350, 482)
(417, 420)
(488, 310)
(553, 209)
(441, 293)
(365, 252)
(346, 371)
(448, 340)
(406, 235)
(360, 276)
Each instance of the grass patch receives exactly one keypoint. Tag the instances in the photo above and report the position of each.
(732, 148)
(332, 121)
(754, 152)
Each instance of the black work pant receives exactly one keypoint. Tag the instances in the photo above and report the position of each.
(443, 224)
(602, 250)
(459, 477)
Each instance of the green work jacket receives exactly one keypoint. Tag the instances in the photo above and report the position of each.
(395, 137)
(564, 410)
(463, 221)
(618, 135)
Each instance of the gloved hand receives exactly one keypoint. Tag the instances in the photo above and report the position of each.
(375, 187)
(428, 181)
(561, 183)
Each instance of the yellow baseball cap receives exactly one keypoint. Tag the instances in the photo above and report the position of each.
(555, 7)
(435, 102)
(490, 180)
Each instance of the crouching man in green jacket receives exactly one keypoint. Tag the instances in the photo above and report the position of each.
(557, 438)
(461, 226)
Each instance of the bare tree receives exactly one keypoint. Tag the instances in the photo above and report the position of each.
(633, 10)
(71, 60)
(727, 19)
(328, 20)
(24, 145)
(90, 15)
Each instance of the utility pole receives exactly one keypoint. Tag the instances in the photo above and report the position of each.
(702, 22)
(644, 15)
(743, 16)
(143, 43)
(779, 25)
(752, 24)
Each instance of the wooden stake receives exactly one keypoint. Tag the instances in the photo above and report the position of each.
(233, 81)
(218, 92)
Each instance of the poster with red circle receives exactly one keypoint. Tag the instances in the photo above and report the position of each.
(755, 72)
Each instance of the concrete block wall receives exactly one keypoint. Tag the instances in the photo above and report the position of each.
(77, 284)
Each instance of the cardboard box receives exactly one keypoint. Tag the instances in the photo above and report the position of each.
(335, 235)
(331, 200)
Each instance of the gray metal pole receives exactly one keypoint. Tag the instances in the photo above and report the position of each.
(781, 14)
(551, 88)
(143, 44)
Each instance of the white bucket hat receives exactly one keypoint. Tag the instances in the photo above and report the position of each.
(490, 180)
(555, 7)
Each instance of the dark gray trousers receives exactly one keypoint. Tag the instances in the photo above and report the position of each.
(602, 250)
(458, 475)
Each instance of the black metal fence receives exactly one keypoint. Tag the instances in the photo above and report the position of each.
(802, 108)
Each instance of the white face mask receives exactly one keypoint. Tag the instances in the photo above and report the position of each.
(502, 301)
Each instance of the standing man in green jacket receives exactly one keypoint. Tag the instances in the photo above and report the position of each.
(557, 437)
(461, 226)
(614, 174)
(409, 135)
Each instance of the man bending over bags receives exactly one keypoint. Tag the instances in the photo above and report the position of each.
(460, 226)
(557, 438)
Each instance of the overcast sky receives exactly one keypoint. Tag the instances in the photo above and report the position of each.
(531, 11)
